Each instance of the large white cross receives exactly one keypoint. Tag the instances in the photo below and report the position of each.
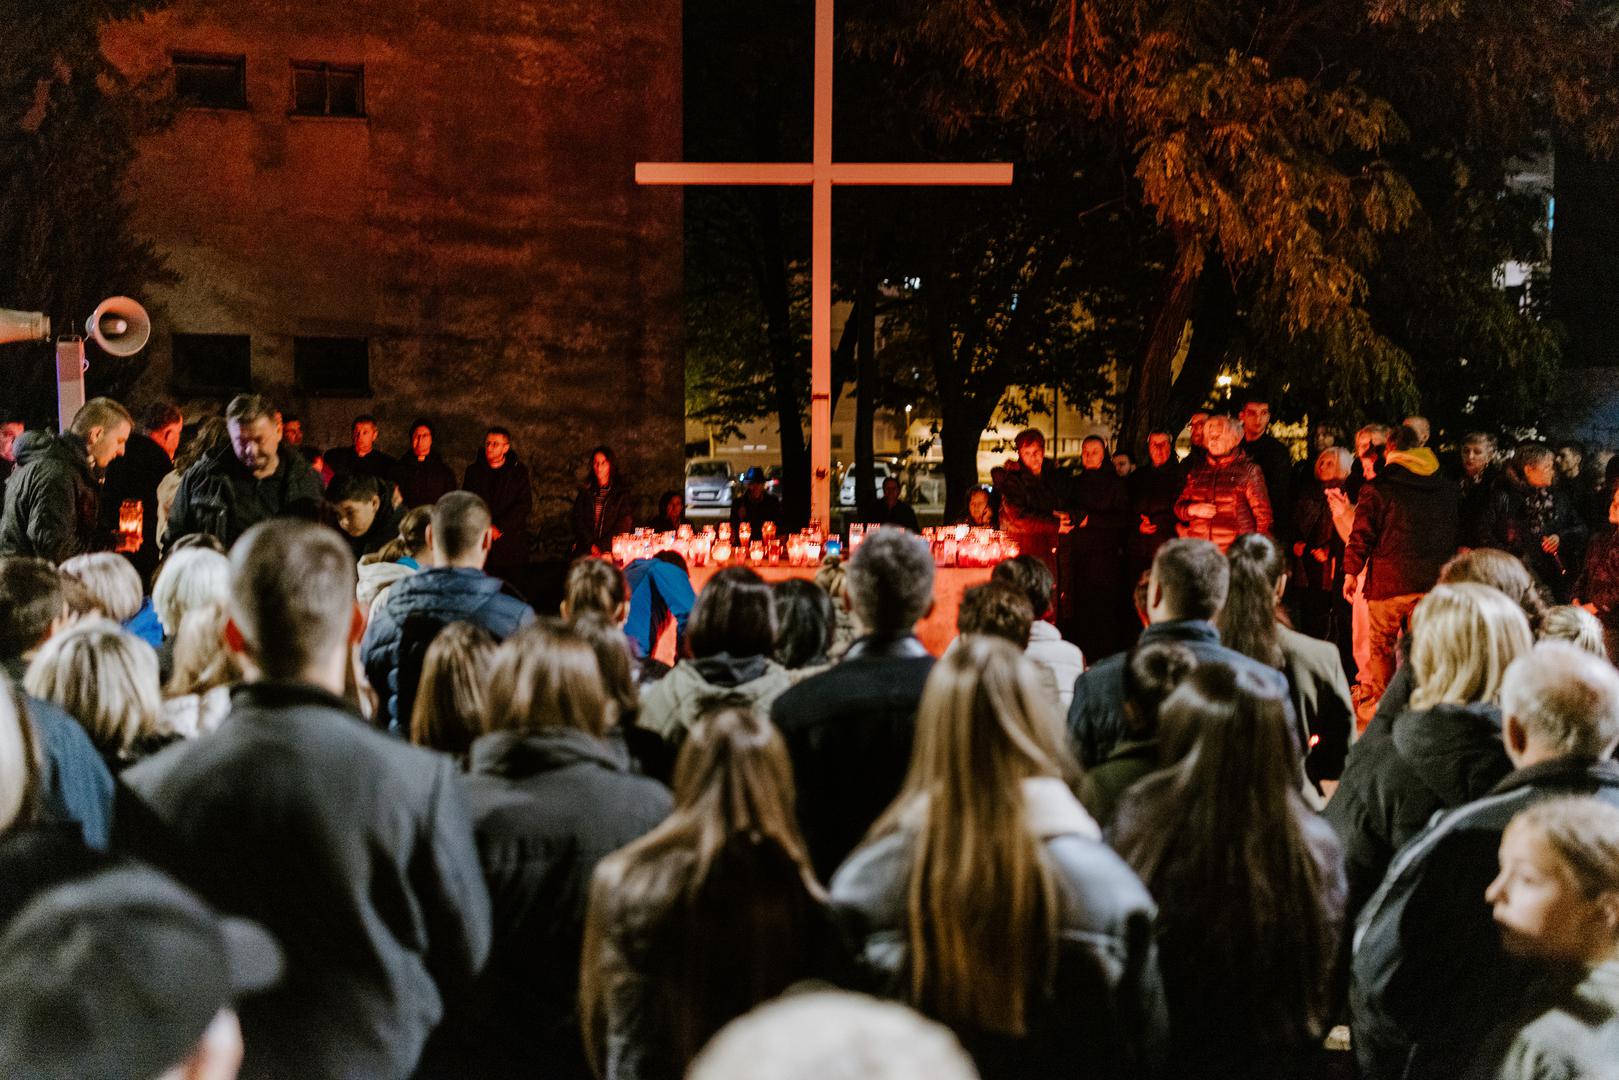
(820, 174)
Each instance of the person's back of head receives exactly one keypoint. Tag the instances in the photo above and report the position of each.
(855, 1036)
(545, 677)
(124, 973)
(998, 610)
(595, 586)
(292, 609)
(1247, 619)
(1574, 625)
(723, 889)
(735, 614)
(31, 602)
(451, 699)
(201, 660)
(1032, 576)
(1501, 571)
(460, 530)
(105, 679)
(1405, 439)
(983, 727)
(115, 583)
(1463, 637)
(159, 415)
(804, 623)
(1221, 842)
(613, 660)
(1190, 579)
(890, 581)
(1558, 700)
(1152, 672)
(190, 578)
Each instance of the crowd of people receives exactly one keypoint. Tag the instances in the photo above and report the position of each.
(300, 784)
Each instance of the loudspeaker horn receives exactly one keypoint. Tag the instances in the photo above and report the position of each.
(24, 326)
(120, 326)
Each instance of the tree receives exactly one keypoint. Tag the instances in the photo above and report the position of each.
(69, 122)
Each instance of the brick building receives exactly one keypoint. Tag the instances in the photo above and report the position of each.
(422, 209)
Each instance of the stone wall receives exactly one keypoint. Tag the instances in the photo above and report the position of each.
(480, 226)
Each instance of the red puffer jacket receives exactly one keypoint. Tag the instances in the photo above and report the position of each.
(1236, 487)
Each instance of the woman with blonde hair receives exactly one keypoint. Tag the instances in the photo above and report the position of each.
(116, 585)
(453, 694)
(1445, 748)
(549, 799)
(197, 695)
(107, 681)
(712, 913)
(1574, 625)
(984, 897)
(190, 577)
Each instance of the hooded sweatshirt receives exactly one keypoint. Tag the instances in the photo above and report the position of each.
(1405, 526)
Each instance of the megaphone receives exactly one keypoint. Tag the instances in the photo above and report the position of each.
(119, 325)
(23, 326)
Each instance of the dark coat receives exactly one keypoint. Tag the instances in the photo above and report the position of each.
(424, 481)
(1312, 526)
(40, 856)
(1276, 462)
(437, 596)
(1473, 507)
(901, 514)
(755, 513)
(352, 847)
(1103, 787)
(1100, 499)
(1434, 760)
(1236, 487)
(384, 529)
(1429, 975)
(135, 476)
(1320, 692)
(1029, 503)
(510, 500)
(849, 733)
(1104, 1017)
(1598, 583)
(1521, 516)
(1096, 715)
(618, 516)
(1153, 492)
(1405, 527)
(220, 496)
(343, 459)
(52, 502)
(546, 808)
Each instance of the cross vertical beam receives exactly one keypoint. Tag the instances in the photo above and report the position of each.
(820, 174)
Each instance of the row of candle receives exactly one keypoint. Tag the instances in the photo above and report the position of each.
(952, 545)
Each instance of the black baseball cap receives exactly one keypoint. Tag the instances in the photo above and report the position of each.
(117, 976)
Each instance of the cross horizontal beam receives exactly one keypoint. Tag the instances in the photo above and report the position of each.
(802, 174)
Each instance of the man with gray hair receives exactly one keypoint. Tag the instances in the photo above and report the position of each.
(354, 848)
(1429, 973)
(849, 729)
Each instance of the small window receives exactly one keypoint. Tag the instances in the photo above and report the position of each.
(211, 363)
(210, 82)
(328, 90)
(334, 366)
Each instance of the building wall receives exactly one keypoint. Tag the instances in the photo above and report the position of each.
(481, 226)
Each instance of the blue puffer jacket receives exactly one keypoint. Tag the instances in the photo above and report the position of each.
(441, 595)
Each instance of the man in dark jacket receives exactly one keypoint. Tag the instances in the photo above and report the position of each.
(1429, 973)
(755, 506)
(501, 481)
(249, 481)
(1034, 513)
(362, 456)
(893, 510)
(1405, 530)
(77, 785)
(352, 847)
(422, 476)
(53, 507)
(1099, 504)
(1272, 457)
(1225, 494)
(148, 457)
(1185, 592)
(1534, 519)
(1475, 487)
(454, 589)
(849, 730)
(1153, 490)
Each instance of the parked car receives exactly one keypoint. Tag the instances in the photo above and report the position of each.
(709, 483)
(880, 470)
(926, 484)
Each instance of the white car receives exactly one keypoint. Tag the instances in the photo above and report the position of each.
(709, 484)
(879, 470)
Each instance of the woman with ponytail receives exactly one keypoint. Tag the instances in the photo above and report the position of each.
(713, 912)
(984, 897)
